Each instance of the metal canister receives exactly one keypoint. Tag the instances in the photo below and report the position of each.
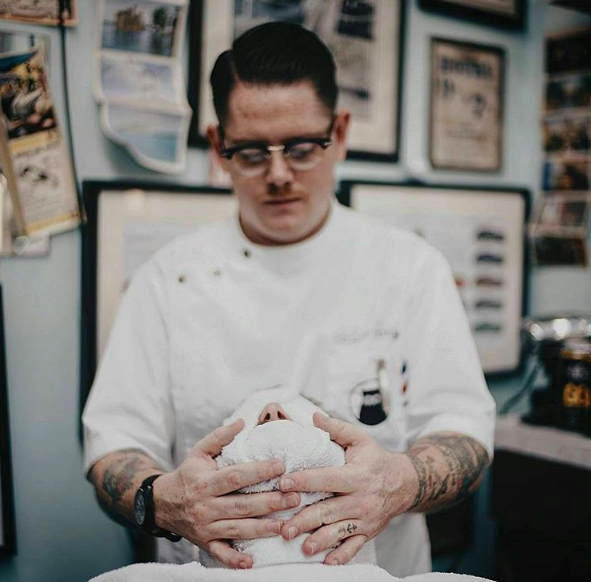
(574, 406)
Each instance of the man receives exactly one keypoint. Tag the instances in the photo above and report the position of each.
(363, 318)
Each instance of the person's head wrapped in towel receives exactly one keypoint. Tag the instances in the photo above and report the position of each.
(279, 425)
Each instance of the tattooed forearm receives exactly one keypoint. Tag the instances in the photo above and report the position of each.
(117, 477)
(449, 467)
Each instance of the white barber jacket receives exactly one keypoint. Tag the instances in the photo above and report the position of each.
(213, 317)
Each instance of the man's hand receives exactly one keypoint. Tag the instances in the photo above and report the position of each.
(370, 489)
(199, 501)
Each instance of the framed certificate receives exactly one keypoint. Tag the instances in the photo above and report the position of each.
(127, 222)
(481, 232)
(466, 112)
(7, 522)
(365, 38)
(499, 13)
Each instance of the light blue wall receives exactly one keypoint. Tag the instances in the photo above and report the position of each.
(62, 535)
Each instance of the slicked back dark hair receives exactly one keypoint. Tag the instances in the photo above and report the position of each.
(274, 53)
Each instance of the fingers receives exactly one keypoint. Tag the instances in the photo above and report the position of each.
(244, 529)
(325, 512)
(227, 555)
(213, 443)
(331, 479)
(253, 504)
(346, 551)
(330, 535)
(230, 479)
(340, 432)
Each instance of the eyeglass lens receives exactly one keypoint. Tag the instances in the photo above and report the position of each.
(302, 156)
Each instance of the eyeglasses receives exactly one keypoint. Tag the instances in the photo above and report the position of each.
(301, 154)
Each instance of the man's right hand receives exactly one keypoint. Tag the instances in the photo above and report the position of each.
(200, 502)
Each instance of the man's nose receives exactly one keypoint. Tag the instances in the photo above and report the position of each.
(273, 411)
(279, 173)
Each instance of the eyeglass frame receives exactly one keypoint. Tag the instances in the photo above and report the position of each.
(323, 142)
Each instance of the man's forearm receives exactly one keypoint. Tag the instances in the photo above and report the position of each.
(449, 466)
(117, 477)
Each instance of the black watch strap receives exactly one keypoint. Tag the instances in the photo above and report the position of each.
(145, 510)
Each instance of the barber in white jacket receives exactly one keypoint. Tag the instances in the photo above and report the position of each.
(365, 319)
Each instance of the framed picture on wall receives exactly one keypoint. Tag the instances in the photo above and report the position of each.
(466, 108)
(500, 13)
(482, 233)
(7, 522)
(48, 12)
(364, 36)
(128, 221)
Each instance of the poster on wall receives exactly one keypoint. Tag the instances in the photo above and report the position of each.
(560, 228)
(139, 82)
(7, 524)
(365, 38)
(40, 11)
(35, 156)
(481, 232)
(466, 117)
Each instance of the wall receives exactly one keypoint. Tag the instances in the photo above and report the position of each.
(62, 535)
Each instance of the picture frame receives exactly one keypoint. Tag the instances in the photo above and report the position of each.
(45, 14)
(7, 514)
(466, 109)
(568, 51)
(482, 233)
(369, 52)
(508, 14)
(128, 220)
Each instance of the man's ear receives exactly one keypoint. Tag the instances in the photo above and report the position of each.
(342, 122)
(213, 136)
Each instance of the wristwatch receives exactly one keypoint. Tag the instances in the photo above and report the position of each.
(144, 511)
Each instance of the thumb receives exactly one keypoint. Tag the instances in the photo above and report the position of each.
(341, 432)
(213, 443)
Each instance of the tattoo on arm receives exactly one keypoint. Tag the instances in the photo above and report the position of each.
(117, 477)
(449, 467)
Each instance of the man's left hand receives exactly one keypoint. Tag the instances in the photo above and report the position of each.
(370, 489)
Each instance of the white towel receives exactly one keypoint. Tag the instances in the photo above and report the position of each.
(194, 572)
(296, 442)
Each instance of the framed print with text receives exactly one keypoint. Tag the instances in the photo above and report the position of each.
(482, 234)
(127, 222)
(466, 109)
(500, 13)
(365, 37)
(7, 524)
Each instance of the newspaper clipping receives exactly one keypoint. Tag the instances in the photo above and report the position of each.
(139, 80)
(466, 106)
(35, 157)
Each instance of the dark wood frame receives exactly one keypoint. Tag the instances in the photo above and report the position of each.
(345, 197)
(8, 543)
(91, 193)
(196, 24)
(474, 46)
(478, 14)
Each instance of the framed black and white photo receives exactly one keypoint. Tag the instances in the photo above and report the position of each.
(466, 108)
(499, 13)
(7, 523)
(482, 233)
(364, 36)
(127, 222)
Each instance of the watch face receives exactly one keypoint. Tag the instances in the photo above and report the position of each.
(140, 508)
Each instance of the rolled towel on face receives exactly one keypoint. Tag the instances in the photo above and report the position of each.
(291, 437)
